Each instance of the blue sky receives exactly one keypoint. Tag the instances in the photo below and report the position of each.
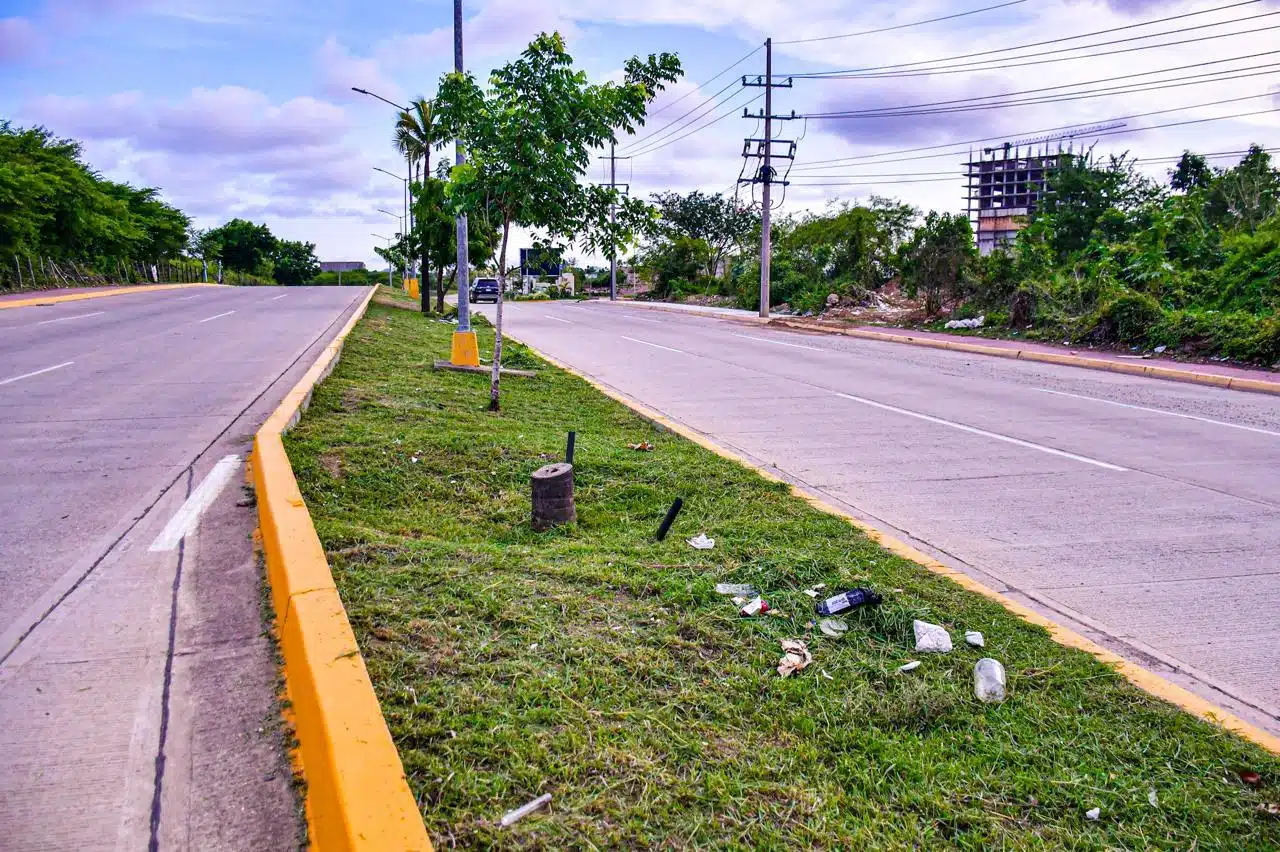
(244, 108)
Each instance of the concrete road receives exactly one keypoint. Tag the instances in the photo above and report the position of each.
(137, 686)
(1144, 513)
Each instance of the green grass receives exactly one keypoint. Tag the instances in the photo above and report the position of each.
(598, 665)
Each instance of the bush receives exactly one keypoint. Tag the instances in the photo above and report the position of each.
(1127, 318)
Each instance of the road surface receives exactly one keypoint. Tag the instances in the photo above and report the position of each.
(137, 687)
(1144, 513)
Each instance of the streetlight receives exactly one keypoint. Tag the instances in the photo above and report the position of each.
(408, 162)
(388, 239)
(399, 224)
(404, 181)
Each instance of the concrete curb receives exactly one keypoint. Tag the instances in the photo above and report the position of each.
(99, 294)
(1145, 680)
(357, 794)
(1151, 371)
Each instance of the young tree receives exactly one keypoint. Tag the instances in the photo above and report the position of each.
(242, 245)
(416, 134)
(1192, 172)
(295, 262)
(437, 234)
(938, 257)
(529, 138)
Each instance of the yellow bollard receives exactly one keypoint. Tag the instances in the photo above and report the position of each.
(465, 351)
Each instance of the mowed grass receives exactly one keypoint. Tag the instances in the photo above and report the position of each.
(598, 665)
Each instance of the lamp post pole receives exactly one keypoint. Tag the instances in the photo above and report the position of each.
(465, 350)
(388, 239)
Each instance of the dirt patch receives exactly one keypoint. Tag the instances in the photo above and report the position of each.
(332, 462)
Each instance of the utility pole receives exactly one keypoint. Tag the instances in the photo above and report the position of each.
(613, 184)
(766, 174)
(465, 351)
(613, 253)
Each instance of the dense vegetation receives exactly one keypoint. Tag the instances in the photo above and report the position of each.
(62, 223)
(1112, 257)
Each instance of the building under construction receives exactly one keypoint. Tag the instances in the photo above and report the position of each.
(1006, 183)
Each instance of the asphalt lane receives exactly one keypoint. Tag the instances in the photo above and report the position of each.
(1144, 513)
(137, 685)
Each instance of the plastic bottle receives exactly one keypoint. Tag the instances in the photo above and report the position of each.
(845, 601)
(988, 680)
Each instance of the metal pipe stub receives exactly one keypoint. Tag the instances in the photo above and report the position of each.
(553, 495)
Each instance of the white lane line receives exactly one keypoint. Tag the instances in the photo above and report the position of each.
(218, 316)
(274, 298)
(779, 342)
(557, 319)
(36, 372)
(654, 345)
(184, 521)
(648, 319)
(185, 298)
(1161, 411)
(77, 316)
(983, 432)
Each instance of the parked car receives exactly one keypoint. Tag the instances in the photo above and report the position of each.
(484, 290)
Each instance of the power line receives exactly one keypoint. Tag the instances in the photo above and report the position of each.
(944, 177)
(1131, 88)
(642, 141)
(698, 129)
(820, 74)
(1003, 136)
(704, 83)
(666, 138)
(902, 26)
(979, 67)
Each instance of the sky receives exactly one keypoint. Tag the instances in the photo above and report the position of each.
(244, 107)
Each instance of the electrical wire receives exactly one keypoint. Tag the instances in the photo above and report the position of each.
(1002, 137)
(698, 129)
(1067, 85)
(1191, 80)
(902, 26)
(998, 50)
(704, 83)
(643, 140)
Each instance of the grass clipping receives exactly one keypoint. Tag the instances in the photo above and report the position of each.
(595, 664)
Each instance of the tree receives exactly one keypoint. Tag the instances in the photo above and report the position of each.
(437, 234)
(242, 245)
(416, 134)
(295, 262)
(1243, 197)
(1192, 172)
(529, 140)
(716, 220)
(937, 259)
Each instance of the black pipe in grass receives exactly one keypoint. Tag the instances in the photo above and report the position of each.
(568, 450)
(670, 519)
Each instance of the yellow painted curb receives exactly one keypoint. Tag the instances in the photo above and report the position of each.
(1138, 676)
(1150, 370)
(357, 794)
(96, 294)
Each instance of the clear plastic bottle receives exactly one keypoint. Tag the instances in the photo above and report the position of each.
(988, 680)
(845, 601)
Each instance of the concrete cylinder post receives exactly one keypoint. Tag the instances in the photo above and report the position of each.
(553, 496)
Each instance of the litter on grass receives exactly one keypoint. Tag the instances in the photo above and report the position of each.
(1270, 809)
(909, 667)
(847, 600)
(1248, 776)
(702, 542)
(975, 639)
(1093, 814)
(736, 589)
(795, 656)
(966, 323)
(642, 447)
(833, 627)
(988, 681)
(755, 607)
(931, 638)
(813, 593)
(511, 817)
(1152, 798)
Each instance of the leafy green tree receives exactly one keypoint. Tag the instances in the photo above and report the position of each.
(673, 262)
(437, 234)
(242, 245)
(294, 262)
(718, 221)
(529, 139)
(1243, 197)
(938, 258)
(1084, 195)
(1192, 172)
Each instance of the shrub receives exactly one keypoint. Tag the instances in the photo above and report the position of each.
(1127, 318)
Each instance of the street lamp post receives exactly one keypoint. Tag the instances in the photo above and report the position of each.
(404, 270)
(407, 210)
(388, 239)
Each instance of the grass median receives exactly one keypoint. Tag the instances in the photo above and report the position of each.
(598, 665)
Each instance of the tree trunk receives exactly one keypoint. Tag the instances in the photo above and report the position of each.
(497, 329)
(440, 288)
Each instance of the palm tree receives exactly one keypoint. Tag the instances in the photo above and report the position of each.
(415, 135)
